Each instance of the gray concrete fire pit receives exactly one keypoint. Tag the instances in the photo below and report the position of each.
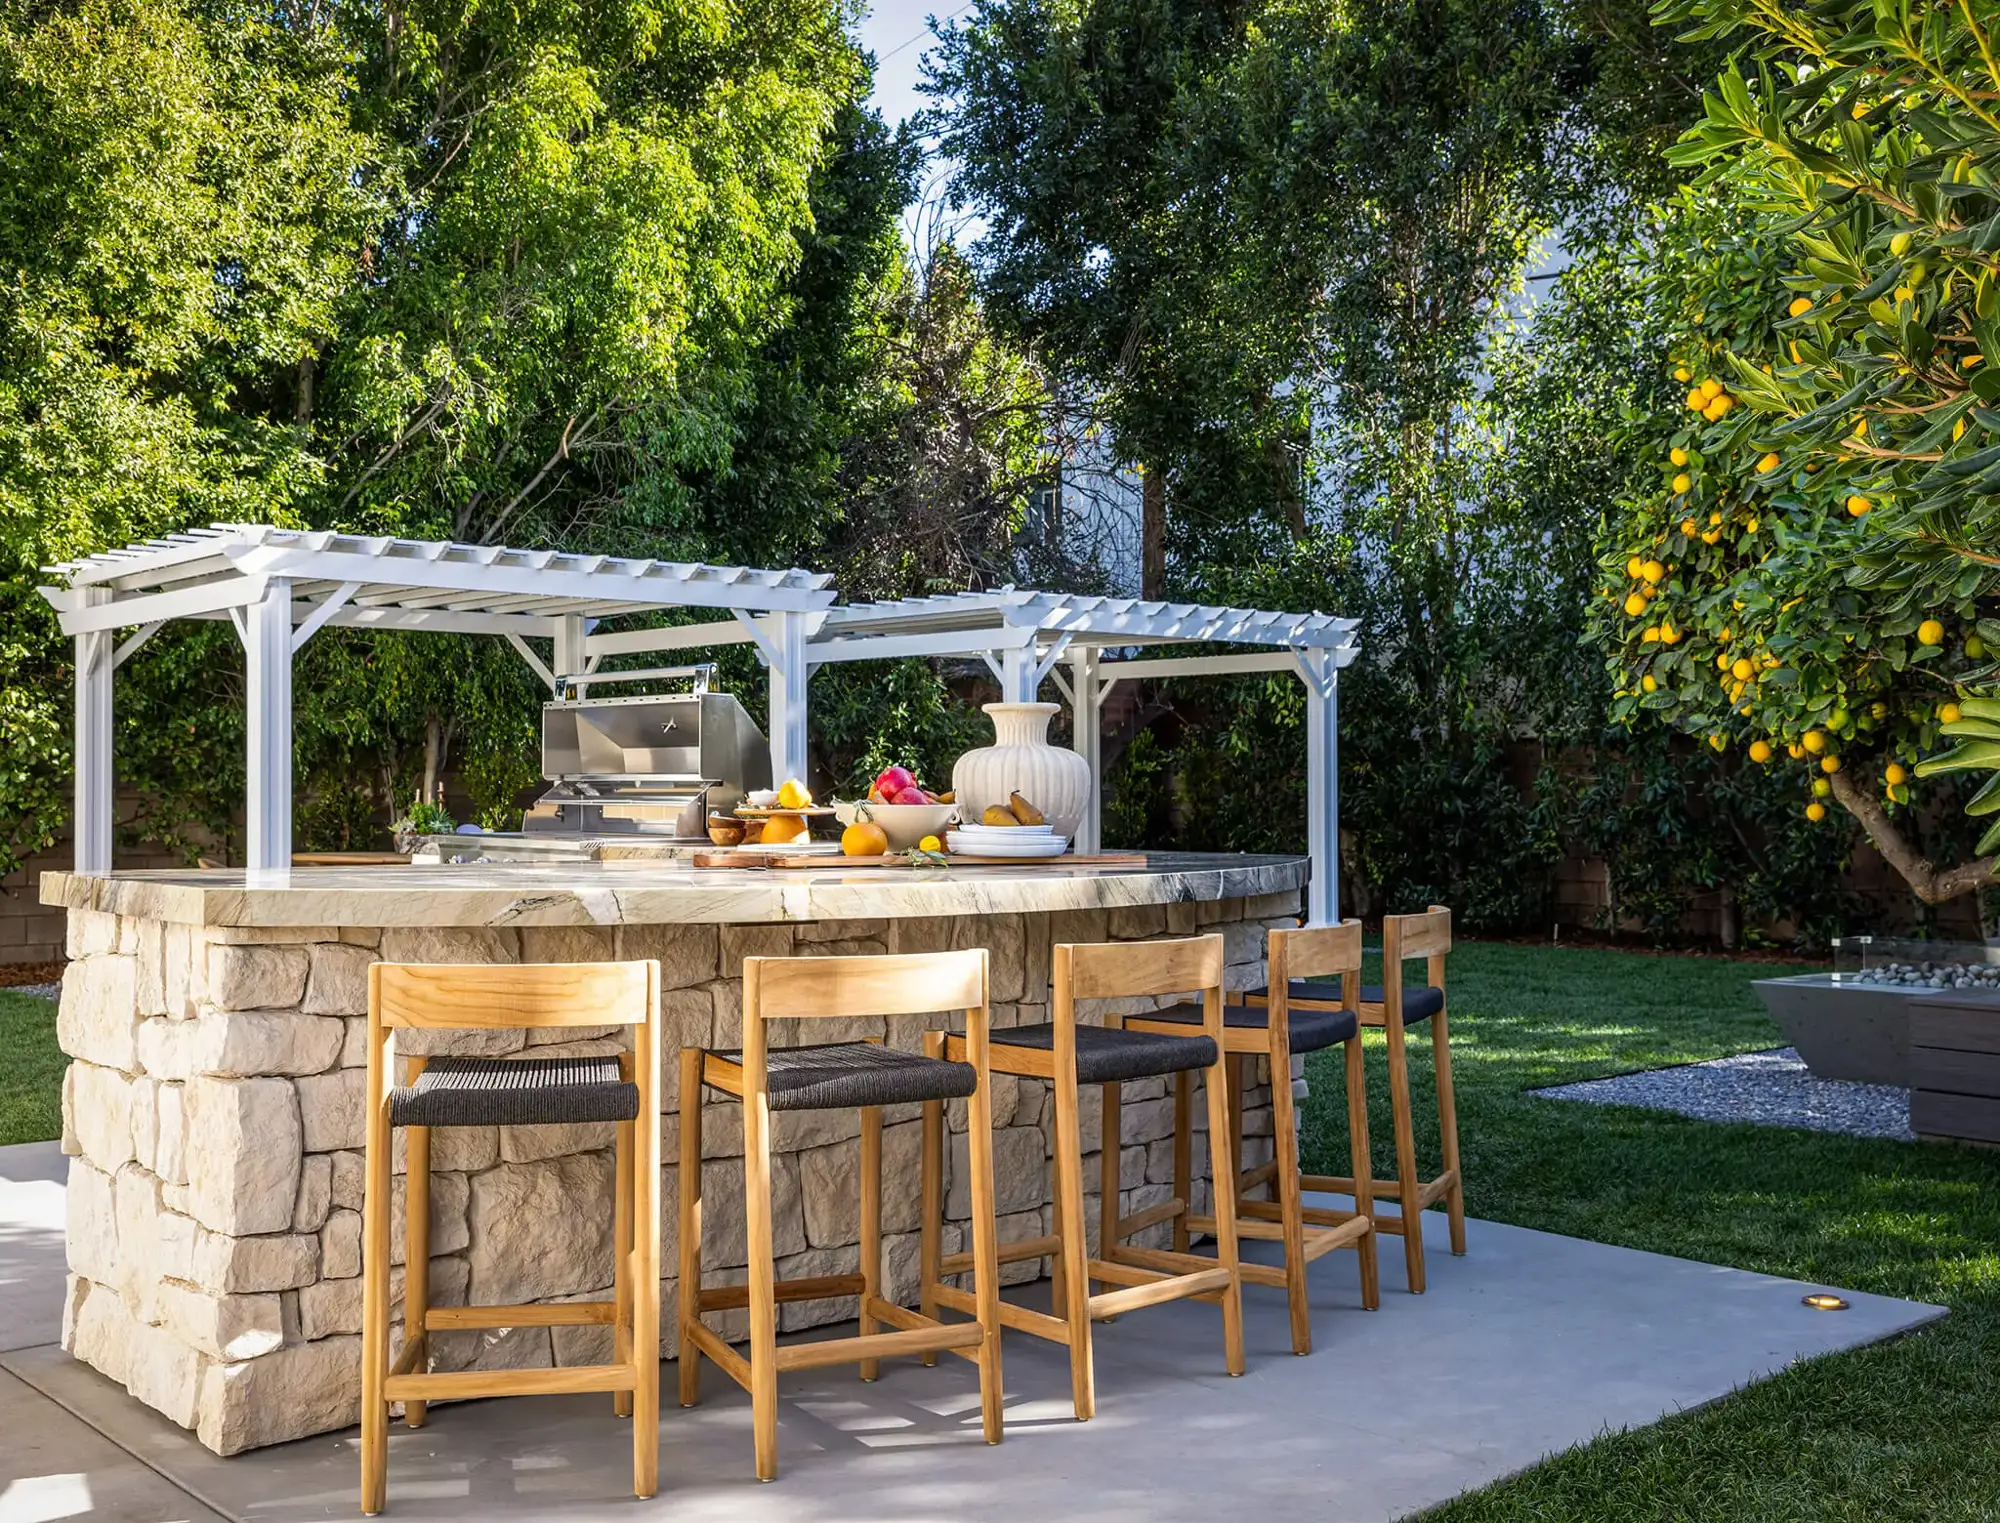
(1854, 1022)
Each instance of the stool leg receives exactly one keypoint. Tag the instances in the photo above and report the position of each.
(417, 1252)
(1285, 1145)
(871, 1226)
(687, 1310)
(1221, 1167)
(763, 1273)
(985, 1242)
(1110, 1147)
(1448, 1129)
(1406, 1156)
(1237, 1082)
(1075, 1305)
(930, 1247)
(375, 1280)
(1058, 1273)
(643, 1270)
(621, 1260)
(1362, 1161)
(1183, 1155)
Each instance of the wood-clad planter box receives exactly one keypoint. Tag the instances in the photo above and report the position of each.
(1955, 1069)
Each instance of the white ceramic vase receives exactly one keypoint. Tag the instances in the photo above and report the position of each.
(1055, 781)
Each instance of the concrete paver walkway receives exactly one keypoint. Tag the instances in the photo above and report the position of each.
(1529, 1345)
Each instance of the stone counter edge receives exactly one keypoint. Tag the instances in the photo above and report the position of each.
(448, 897)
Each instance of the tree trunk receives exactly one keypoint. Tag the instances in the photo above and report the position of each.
(1152, 534)
(1287, 484)
(434, 747)
(1928, 881)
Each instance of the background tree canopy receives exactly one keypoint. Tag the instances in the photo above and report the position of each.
(1383, 306)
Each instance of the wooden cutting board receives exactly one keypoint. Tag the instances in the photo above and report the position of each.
(752, 858)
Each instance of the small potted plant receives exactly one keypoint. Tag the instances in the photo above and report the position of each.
(424, 819)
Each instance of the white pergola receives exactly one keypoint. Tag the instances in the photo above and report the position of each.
(1084, 644)
(280, 586)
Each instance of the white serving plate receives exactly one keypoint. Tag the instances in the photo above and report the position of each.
(1021, 844)
(1006, 830)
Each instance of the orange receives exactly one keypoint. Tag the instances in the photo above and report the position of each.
(864, 838)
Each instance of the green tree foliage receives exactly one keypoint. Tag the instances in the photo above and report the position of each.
(1811, 571)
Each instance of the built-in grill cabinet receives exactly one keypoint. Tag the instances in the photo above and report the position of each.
(652, 765)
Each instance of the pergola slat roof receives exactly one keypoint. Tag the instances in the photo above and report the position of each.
(1086, 620)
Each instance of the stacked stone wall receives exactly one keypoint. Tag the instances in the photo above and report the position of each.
(213, 1115)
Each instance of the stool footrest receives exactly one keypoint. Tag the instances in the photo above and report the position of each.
(1152, 1216)
(1348, 1233)
(1249, 1179)
(565, 1314)
(1023, 1319)
(1158, 1287)
(933, 1337)
(826, 1287)
(903, 1317)
(1010, 1253)
(709, 1344)
(565, 1380)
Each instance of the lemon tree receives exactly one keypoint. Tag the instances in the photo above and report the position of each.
(1812, 574)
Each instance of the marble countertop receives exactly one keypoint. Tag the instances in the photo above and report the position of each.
(613, 893)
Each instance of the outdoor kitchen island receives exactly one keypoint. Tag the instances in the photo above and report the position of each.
(214, 1121)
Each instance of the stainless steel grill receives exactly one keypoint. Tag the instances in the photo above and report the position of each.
(649, 765)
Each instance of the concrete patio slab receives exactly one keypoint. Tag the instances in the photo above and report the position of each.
(32, 1260)
(1529, 1345)
(55, 1466)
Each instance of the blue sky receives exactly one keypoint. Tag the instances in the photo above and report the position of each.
(897, 32)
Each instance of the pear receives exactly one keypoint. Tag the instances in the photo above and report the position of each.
(1024, 812)
(998, 814)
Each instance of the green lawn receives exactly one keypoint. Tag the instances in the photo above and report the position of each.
(31, 1070)
(1907, 1430)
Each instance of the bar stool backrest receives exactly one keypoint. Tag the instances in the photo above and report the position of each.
(910, 983)
(1407, 937)
(1136, 969)
(1320, 951)
(469, 996)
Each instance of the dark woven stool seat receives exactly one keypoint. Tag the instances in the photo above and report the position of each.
(1420, 1001)
(1310, 1029)
(514, 1092)
(1111, 1055)
(851, 1075)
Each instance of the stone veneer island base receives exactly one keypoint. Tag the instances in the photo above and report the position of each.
(214, 1121)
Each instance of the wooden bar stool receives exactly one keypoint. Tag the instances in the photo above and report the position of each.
(1395, 1008)
(1068, 1053)
(446, 1091)
(1275, 1033)
(837, 1075)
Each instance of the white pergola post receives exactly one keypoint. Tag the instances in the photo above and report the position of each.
(1086, 739)
(1018, 675)
(571, 633)
(1322, 680)
(90, 827)
(784, 652)
(267, 648)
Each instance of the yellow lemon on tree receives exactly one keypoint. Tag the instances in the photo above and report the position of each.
(1718, 742)
(1815, 811)
(1795, 751)
(1668, 634)
(1948, 713)
(1930, 632)
(1634, 605)
(1814, 741)
(1900, 244)
(1649, 683)
(1768, 464)
(1653, 572)
(1800, 306)
(1858, 505)
(1634, 568)
(1760, 750)
(1894, 775)
(1710, 389)
(1650, 634)
(1716, 409)
(1681, 374)
(1829, 765)
(1741, 669)
(1696, 400)
(1751, 526)
(1682, 482)
(1678, 455)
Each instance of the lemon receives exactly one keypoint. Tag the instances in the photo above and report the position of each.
(1814, 741)
(1751, 526)
(1741, 669)
(1948, 713)
(1690, 528)
(1722, 663)
(1930, 632)
(1760, 750)
(1958, 431)
(1815, 811)
(1634, 568)
(1800, 306)
(1714, 518)
(930, 843)
(1649, 683)
(1821, 787)
(1710, 389)
(1719, 742)
(1678, 455)
(1634, 605)
(1681, 374)
(1682, 482)
(1668, 634)
(1650, 634)
(1894, 775)
(1900, 244)
(1860, 428)
(1795, 751)
(1696, 401)
(1858, 505)
(1768, 464)
(793, 795)
(1829, 765)
(1653, 572)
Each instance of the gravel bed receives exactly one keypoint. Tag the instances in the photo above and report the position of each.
(1772, 1088)
(39, 991)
